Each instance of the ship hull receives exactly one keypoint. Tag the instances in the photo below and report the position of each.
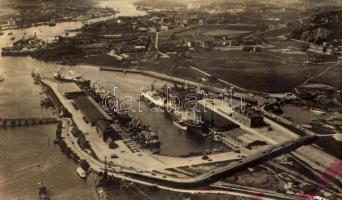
(157, 103)
(191, 128)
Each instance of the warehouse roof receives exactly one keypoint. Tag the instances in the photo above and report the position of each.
(89, 109)
(244, 136)
(66, 88)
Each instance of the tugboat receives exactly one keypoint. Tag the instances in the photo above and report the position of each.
(36, 77)
(42, 192)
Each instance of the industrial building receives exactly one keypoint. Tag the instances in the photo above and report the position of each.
(248, 116)
(244, 139)
(104, 130)
(90, 110)
(70, 90)
(317, 53)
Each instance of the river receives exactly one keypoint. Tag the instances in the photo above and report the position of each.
(27, 154)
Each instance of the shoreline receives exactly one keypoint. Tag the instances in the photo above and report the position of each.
(57, 22)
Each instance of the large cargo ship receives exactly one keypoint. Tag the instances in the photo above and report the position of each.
(187, 121)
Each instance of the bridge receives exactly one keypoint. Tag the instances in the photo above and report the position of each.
(15, 122)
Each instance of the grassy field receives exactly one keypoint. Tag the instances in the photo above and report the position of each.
(264, 71)
(234, 29)
(214, 30)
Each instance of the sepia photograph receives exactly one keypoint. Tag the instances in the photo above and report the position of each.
(170, 99)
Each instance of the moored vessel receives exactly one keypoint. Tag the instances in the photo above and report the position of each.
(42, 192)
(186, 120)
(81, 172)
(180, 125)
(153, 98)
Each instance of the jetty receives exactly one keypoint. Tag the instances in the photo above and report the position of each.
(15, 122)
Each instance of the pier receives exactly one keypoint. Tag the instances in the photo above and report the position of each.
(16, 122)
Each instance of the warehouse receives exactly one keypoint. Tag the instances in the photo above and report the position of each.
(69, 90)
(90, 111)
(104, 130)
(243, 138)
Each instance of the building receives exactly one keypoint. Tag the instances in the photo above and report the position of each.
(70, 90)
(316, 54)
(104, 130)
(242, 138)
(95, 48)
(251, 49)
(214, 117)
(199, 41)
(248, 116)
(90, 110)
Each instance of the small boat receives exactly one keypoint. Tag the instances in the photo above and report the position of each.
(317, 111)
(1, 79)
(81, 172)
(180, 125)
(42, 192)
(12, 38)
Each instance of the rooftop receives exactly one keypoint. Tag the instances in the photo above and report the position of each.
(66, 88)
(244, 136)
(89, 109)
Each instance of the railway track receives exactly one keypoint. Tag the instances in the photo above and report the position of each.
(257, 193)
